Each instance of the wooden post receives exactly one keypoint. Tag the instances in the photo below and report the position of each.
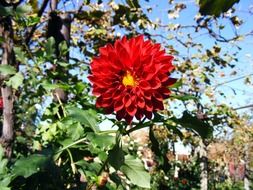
(7, 58)
(247, 164)
(203, 166)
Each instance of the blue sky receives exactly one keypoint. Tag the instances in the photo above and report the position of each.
(238, 93)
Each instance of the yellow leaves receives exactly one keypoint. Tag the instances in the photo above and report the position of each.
(34, 4)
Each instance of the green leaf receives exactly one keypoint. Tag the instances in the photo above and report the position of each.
(102, 156)
(116, 157)
(177, 84)
(15, 81)
(1, 38)
(75, 131)
(32, 20)
(66, 142)
(134, 170)
(80, 86)
(23, 10)
(133, 3)
(4, 188)
(7, 70)
(4, 183)
(63, 47)
(192, 122)
(1, 152)
(103, 141)
(50, 47)
(6, 11)
(86, 117)
(94, 167)
(215, 7)
(5, 177)
(3, 165)
(183, 97)
(30, 165)
(48, 86)
(20, 55)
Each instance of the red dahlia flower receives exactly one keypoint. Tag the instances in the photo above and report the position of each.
(131, 78)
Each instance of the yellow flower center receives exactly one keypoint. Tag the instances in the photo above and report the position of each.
(128, 80)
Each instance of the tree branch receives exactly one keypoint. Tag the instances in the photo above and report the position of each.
(244, 107)
(32, 30)
(232, 80)
(8, 58)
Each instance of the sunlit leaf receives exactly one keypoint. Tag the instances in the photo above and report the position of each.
(134, 170)
(4, 183)
(102, 141)
(177, 84)
(183, 97)
(86, 117)
(22, 10)
(50, 47)
(20, 55)
(15, 81)
(7, 70)
(75, 131)
(32, 20)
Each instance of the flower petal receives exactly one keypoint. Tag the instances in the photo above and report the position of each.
(118, 105)
(148, 114)
(144, 85)
(158, 105)
(141, 102)
(139, 114)
(120, 114)
(149, 106)
(127, 100)
(155, 83)
(158, 96)
(165, 92)
(131, 110)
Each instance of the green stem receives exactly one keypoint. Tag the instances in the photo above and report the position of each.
(73, 167)
(60, 102)
(103, 167)
(72, 144)
(147, 124)
(107, 132)
(57, 113)
(81, 140)
(59, 116)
